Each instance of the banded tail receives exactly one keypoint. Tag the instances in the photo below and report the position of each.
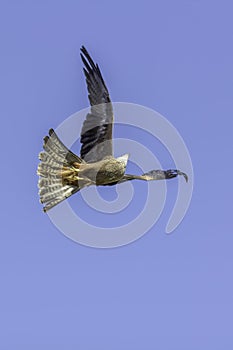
(57, 169)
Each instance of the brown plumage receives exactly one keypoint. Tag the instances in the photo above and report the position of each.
(62, 173)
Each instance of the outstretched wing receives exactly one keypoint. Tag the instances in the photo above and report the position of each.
(96, 134)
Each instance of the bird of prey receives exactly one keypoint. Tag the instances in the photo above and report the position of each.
(62, 173)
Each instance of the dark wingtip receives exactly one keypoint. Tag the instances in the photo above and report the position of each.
(83, 49)
(46, 138)
(83, 52)
(51, 131)
(86, 58)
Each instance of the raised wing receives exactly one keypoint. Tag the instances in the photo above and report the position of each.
(96, 134)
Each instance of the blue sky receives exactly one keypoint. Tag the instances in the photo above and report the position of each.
(161, 292)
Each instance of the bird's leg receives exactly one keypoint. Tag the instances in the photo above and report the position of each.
(155, 175)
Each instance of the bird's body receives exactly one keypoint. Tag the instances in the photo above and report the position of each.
(104, 172)
(62, 173)
(107, 171)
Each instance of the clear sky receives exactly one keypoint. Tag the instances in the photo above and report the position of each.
(160, 292)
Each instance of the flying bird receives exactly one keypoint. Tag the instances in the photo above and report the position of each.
(62, 173)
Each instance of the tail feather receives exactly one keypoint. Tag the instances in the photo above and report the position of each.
(52, 188)
(48, 169)
(46, 182)
(54, 192)
(69, 155)
(56, 162)
(47, 158)
(54, 198)
(57, 155)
